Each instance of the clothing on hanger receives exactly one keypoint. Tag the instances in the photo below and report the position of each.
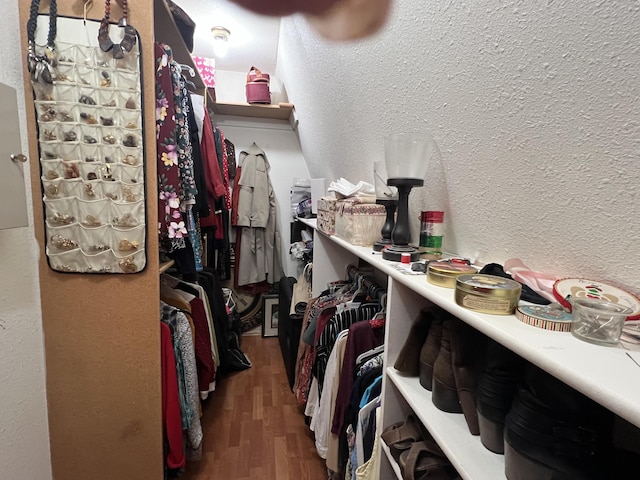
(187, 376)
(172, 422)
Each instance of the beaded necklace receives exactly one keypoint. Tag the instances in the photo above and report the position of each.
(104, 40)
(41, 66)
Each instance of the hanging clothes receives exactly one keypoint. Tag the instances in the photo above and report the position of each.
(172, 229)
(231, 158)
(221, 244)
(259, 256)
(216, 224)
(172, 423)
(184, 351)
(321, 421)
(221, 152)
(205, 365)
(362, 337)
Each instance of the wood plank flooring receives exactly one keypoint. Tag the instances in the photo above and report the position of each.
(253, 426)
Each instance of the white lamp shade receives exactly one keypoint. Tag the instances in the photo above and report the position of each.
(383, 191)
(409, 155)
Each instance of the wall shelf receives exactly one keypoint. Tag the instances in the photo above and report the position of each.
(601, 373)
(282, 111)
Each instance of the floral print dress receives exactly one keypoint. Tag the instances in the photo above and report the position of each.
(171, 227)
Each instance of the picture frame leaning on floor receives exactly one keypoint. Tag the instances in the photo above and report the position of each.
(270, 315)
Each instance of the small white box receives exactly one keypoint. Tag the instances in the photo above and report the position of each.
(318, 190)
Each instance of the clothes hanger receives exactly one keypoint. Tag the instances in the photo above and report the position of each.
(168, 280)
(88, 5)
(188, 68)
(364, 356)
(192, 73)
(190, 84)
(380, 318)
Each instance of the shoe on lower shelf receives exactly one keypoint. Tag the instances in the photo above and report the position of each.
(400, 436)
(407, 362)
(425, 461)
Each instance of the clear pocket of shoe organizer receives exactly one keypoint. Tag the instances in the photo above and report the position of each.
(72, 261)
(127, 241)
(62, 239)
(127, 215)
(60, 212)
(94, 240)
(132, 263)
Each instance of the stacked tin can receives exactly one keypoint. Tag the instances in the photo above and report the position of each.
(431, 231)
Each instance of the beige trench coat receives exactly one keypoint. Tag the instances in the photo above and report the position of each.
(259, 256)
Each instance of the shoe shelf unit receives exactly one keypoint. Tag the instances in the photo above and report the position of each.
(603, 374)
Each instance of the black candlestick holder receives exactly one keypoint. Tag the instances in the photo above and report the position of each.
(390, 206)
(401, 232)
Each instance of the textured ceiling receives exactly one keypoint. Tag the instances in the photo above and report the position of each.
(253, 39)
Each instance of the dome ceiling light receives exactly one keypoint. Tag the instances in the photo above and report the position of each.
(220, 40)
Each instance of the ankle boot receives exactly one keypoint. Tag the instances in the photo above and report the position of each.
(429, 352)
(497, 386)
(407, 362)
(554, 432)
(445, 395)
(467, 357)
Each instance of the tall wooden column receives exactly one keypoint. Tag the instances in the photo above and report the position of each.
(101, 332)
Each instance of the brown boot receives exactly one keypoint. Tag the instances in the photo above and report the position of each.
(429, 352)
(407, 362)
(467, 356)
(445, 394)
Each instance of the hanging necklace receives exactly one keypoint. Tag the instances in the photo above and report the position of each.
(104, 40)
(41, 66)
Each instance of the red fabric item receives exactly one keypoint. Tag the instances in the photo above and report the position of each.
(213, 176)
(305, 373)
(225, 173)
(204, 358)
(235, 195)
(171, 420)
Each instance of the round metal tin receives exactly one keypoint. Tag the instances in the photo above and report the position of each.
(487, 293)
(567, 288)
(444, 274)
(546, 317)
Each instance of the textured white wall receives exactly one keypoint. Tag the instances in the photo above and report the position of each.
(534, 105)
(24, 435)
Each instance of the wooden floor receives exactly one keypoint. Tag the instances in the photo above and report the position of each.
(253, 427)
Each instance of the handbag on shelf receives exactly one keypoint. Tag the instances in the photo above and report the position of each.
(257, 87)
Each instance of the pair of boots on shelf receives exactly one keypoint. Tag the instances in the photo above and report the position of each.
(416, 452)
(447, 355)
(546, 429)
(554, 432)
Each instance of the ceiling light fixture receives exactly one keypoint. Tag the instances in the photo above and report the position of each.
(220, 40)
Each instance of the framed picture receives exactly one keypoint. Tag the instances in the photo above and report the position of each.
(270, 315)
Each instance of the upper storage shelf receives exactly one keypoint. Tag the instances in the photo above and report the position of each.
(166, 31)
(281, 111)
